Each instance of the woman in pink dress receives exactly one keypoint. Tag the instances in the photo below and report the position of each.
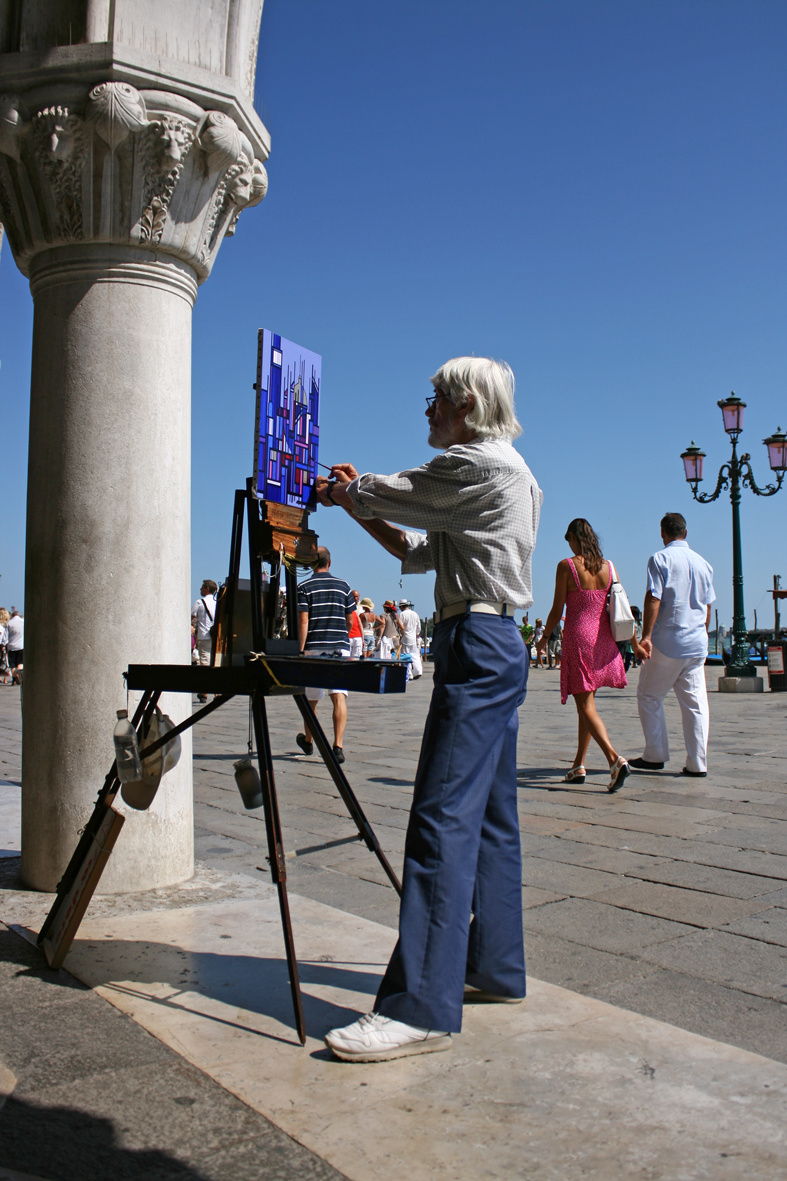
(590, 655)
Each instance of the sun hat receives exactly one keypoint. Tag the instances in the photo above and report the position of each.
(367, 604)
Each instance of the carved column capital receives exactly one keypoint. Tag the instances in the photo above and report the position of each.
(114, 164)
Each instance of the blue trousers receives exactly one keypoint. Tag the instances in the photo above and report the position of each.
(462, 854)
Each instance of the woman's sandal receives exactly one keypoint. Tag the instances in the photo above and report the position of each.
(618, 773)
(575, 775)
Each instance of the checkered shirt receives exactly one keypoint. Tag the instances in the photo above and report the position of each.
(480, 506)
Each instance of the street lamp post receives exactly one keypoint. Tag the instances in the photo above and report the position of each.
(733, 475)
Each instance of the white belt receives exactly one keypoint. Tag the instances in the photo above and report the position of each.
(475, 606)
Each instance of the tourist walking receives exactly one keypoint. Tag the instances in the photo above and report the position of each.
(539, 631)
(15, 645)
(480, 507)
(674, 645)
(391, 637)
(590, 658)
(372, 627)
(627, 649)
(411, 638)
(202, 615)
(554, 646)
(5, 672)
(356, 630)
(325, 614)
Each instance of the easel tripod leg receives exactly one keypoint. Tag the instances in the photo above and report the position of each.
(276, 851)
(347, 794)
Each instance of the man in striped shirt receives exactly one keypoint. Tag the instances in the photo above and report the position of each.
(460, 921)
(325, 612)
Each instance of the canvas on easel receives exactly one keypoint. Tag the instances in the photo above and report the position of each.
(287, 425)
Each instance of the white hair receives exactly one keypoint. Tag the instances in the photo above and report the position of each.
(491, 383)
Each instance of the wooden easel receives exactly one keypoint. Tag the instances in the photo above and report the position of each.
(278, 535)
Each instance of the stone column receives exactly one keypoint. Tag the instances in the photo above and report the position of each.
(115, 197)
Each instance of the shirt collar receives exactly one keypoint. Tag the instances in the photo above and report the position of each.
(677, 541)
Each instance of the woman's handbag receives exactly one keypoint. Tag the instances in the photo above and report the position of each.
(621, 620)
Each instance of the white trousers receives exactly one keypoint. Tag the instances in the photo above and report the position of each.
(415, 652)
(687, 677)
(203, 650)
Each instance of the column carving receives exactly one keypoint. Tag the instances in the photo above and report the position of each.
(135, 168)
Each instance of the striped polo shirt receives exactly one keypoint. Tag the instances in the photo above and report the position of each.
(328, 600)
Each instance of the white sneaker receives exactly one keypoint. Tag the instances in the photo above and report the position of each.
(375, 1038)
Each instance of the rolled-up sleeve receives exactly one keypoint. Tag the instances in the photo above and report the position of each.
(418, 558)
(426, 497)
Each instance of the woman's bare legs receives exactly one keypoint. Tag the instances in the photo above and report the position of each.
(591, 726)
(583, 739)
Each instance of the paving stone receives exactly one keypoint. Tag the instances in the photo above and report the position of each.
(575, 966)
(546, 826)
(667, 811)
(703, 877)
(368, 899)
(694, 907)
(532, 896)
(617, 861)
(605, 928)
(709, 1009)
(563, 878)
(772, 839)
(704, 852)
(732, 960)
(768, 925)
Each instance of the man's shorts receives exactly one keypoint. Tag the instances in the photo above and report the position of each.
(318, 694)
(16, 657)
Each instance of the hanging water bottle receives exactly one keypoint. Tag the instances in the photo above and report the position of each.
(248, 781)
(126, 749)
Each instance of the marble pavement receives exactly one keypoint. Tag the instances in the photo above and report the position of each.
(667, 901)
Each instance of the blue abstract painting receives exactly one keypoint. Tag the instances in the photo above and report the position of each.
(287, 428)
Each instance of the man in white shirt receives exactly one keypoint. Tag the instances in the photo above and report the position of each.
(674, 644)
(480, 506)
(411, 632)
(202, 615)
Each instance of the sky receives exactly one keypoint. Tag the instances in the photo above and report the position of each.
(593, 192)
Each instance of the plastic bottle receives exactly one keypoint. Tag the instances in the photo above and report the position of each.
(124, 736)
(248, 781)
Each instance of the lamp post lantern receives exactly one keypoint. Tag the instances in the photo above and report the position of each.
(733, 475)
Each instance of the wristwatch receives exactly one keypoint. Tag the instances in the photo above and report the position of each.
(331, 485)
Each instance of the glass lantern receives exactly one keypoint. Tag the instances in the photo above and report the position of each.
(732, 412)
(693, 460)
(777, 451)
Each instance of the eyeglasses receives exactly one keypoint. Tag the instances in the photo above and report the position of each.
(431, 401)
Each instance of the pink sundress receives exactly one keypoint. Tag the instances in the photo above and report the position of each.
(590, 658)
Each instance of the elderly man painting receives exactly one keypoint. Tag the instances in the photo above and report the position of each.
(479, 505)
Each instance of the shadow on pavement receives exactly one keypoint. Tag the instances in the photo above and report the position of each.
(63, 1144)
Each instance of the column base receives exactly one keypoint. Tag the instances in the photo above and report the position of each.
(741, 685)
